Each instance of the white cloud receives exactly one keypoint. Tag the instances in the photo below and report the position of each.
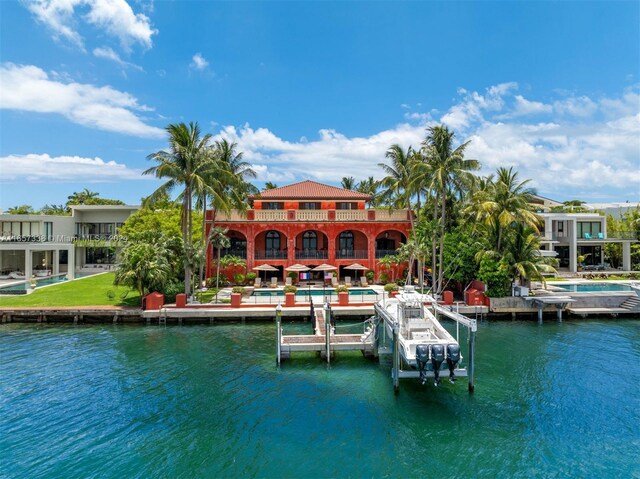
(585, 148)
(115, 17)
(198, 62)
(29, 88)
(37, 168)
(108, 54)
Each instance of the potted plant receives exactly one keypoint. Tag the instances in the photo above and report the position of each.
(236, 296)
(392, 289)
(294, 276)
(370, 275)
(290, 295)
(343, 295)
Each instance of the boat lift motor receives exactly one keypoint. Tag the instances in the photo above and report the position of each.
(453, 357)
(437, 357)
(422, 359)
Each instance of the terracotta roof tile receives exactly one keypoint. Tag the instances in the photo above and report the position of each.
(307, 190)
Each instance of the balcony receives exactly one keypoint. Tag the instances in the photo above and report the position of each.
(270, 254)
(381, 253)
(381, 215)
(312, 254)
(352, 254)
(239, 253)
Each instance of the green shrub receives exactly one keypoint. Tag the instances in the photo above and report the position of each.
(239, 278)
(170, 291)
(211, 282)
(384, 278)
(290, 289)
(370, 275)
(251, 277)
(238, 290)
(391, 287)
(342, 289)
(293, 275)
(496, 276)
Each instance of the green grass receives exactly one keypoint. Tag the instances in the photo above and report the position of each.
(91, 291)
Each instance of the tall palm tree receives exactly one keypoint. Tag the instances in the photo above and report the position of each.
(503, 202)
(348, 182)
(447, 173)
(370, 187)
(185, 165)
(397, 185)
(219, 240)
(80, 198)
(523, 254)
(270, 186)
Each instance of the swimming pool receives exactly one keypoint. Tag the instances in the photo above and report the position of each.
(23, 287)
(316, 292)
(595, 287)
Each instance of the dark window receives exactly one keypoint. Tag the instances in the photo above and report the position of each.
(272, 205)
(561, 227)
(310, 241)
(272, 241)
(309, 205)
(341, 205)
(346, 241)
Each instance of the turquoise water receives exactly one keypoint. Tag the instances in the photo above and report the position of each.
(557, 400)
(595, 287)
(316, 292)
(26, 285)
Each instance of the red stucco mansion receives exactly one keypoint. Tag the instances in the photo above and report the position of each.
(311, 223)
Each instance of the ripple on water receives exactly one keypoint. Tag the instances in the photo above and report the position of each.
(551, 401)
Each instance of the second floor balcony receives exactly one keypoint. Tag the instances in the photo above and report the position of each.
(381, 215)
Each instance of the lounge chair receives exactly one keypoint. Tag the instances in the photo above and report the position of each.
(287, 281)
(257, 283)
(347, 281)
(600, 235)
(334, 281)
(274, 282)
(363, 281)
(587, 236)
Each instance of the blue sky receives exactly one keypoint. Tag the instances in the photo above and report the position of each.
(317, 90)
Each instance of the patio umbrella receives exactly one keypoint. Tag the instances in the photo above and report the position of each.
(325, 267)
(297, 267)
(356, 266)
(265, 268)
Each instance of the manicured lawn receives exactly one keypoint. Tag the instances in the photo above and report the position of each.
(91, 291)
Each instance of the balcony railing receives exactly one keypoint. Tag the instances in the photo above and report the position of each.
(270, 254)
(352, 254)
(316, 215)
(240, 253)
(312, 254)
(381, 253)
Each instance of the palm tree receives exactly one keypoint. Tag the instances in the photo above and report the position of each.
(370, 187)
(270, 186)
(348, 182)
(219, 240)
(185, 166)
(523, 254)
(80, 198)
(398, 187)
(447, 172)
(502, 203)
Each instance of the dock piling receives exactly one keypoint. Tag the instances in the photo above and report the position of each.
(278, 333)
(327, 332)
(395, 372)
(472, 357)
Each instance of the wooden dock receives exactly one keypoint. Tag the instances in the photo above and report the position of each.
(325, 341)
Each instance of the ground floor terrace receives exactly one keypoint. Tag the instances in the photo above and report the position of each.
(340, 245)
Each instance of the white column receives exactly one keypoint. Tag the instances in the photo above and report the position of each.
(548, 228)
(55, 259)
(573, 245)
(28, 267)
(626, 255)
(71, 262)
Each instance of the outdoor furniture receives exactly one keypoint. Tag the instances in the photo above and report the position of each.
(347, 281)
(287, 281)
(600, 235)
(363, 281)
(274, 282)
(334, 281)
(257, 283)
(587, 236)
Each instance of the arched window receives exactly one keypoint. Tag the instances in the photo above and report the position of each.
(272, 241)
(346, 241)
(310, 241)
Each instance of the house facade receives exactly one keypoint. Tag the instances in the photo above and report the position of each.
(49, 245)
(311, 223)
(570, 235)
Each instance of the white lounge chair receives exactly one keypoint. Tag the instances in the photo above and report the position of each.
(363, 281)
(274, 282)
(334, 281)
(347, 281)
(287, 281)
(257, 283)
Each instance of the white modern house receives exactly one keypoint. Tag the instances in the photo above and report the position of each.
(571, 234)
(45, 245)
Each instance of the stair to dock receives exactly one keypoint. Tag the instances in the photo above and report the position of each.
(632, 303)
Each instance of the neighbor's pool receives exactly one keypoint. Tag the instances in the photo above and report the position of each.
(316, 292)
(595, 287)
(22, 288)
